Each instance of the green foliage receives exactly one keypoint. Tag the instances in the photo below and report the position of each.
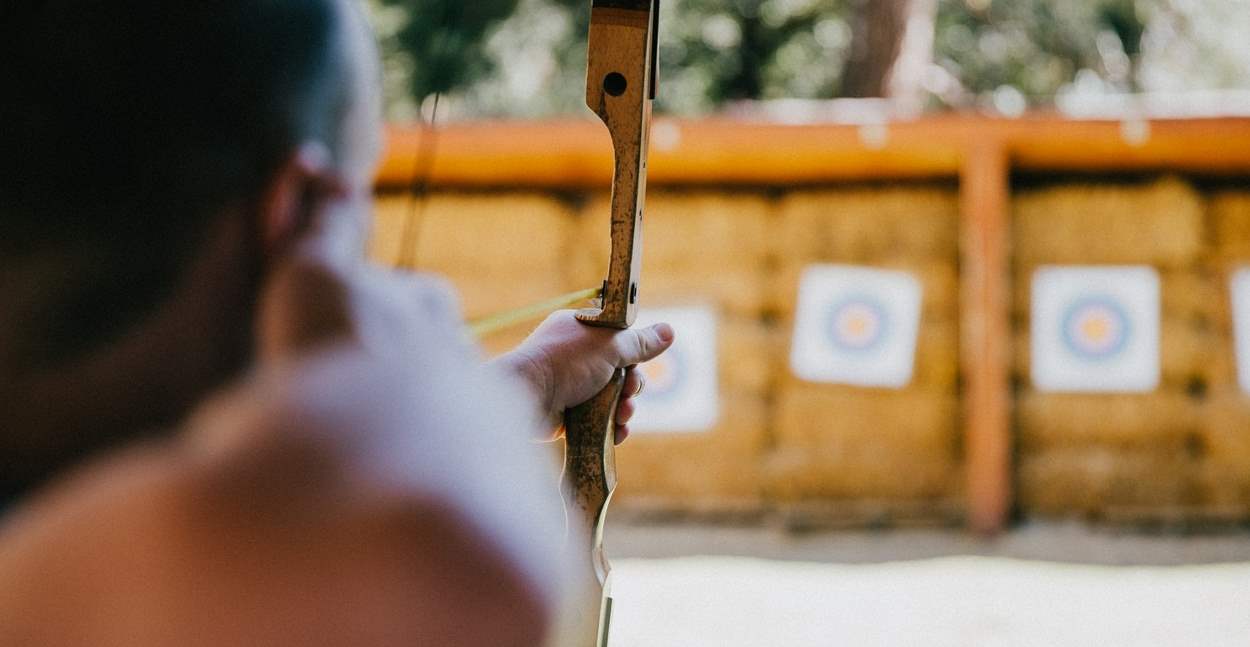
(447, 38)
(1036, 47)
(717, 51)
(527, 57)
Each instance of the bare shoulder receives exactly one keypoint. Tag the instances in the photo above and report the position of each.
(292, 512)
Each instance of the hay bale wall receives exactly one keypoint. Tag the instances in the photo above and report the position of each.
(870, 454)
(779, 443)
(831, 454)
(1171, 455)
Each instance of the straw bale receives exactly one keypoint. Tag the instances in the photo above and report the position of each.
(1226, 429)
(1166, 420)
(824, 515)
(1220, 368)
(1193, 296)
(686, 471)
(385, 245)
(1221, 273)
(1230, 224)
(734, 290)
(799, 475)
(937, 357)
(748, 352)
(487, 232)
(1022, 354)
(1096, 482)
(1192, 354)
(939, 282)
(828, 416)
(686, 230)
(865, 224)
(1160, 223)
(835, 442)
(1226, 487)
(484, 294)
(1022, 293)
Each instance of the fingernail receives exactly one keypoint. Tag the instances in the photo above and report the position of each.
(664, 332)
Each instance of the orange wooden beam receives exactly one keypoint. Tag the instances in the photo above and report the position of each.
(577, 153)
(985, 323)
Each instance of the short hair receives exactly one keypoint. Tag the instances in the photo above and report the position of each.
(127, 124)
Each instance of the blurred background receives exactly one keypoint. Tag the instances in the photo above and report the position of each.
(526, 58)
(958, 291)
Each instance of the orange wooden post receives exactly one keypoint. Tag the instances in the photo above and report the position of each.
(986, 339)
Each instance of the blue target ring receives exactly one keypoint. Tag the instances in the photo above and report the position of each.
(858, 325)
(1096, 328)
(666, 376)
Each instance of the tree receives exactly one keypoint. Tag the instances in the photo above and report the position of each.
(891, 51)
(447, 38)
(527, 57)
(1037, 47)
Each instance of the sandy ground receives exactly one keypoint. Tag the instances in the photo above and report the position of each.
(760, 587)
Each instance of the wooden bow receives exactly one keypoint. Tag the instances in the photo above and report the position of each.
(621, 84)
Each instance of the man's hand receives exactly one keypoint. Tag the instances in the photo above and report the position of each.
(567, 363)
(324, 294)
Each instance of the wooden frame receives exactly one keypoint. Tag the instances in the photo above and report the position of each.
(981, 153)
(578, 153)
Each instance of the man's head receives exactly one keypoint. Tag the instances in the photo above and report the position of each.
(131, 129)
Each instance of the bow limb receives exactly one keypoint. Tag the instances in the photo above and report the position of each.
(620, 87)
(589, 480)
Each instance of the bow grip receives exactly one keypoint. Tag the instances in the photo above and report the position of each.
(588, 482)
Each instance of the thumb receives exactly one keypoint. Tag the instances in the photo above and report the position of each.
(643, 345)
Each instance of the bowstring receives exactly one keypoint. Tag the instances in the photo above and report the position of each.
(418, 199)
(414, 221)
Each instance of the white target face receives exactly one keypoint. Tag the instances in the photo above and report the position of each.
(1096, 329)
(664, 375)
(856, 325)
(681, 393)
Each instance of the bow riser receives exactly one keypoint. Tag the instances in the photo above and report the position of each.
(620, 79)
(620, 85)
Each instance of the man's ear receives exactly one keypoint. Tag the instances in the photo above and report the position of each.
(297, 191)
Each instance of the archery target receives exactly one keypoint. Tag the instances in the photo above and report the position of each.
(1096, 329)
(1241, 325)
(856, 325)
(681, 393)
(665, 376)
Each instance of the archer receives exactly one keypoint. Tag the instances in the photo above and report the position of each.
(220, 426)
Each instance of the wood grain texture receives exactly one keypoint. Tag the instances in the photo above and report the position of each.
(722, 152)
(985, 306)
(618, 89)
(588, 483)
(617, 78)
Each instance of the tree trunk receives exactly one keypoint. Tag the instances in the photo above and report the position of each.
(891, 50)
